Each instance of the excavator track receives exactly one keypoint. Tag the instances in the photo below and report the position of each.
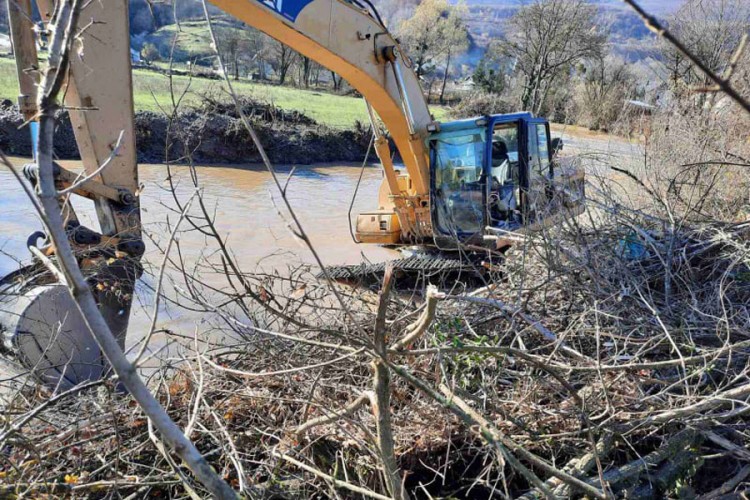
(440, 270)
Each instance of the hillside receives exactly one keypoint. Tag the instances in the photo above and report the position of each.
(154, 23)
(655, 6)
(630, 38)
(193, 43)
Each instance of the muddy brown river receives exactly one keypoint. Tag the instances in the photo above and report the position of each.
(241, 197)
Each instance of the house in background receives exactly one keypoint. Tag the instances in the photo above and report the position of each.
(5, 45)
(135, 56)
(466, 84)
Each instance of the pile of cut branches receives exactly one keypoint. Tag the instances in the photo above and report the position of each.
(610, 359)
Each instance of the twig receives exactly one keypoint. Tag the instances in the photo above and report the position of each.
(730, 397)
(334, 416)
(49, 265)
(79, 182)
(723, 84)
(420, 326)
(335, 482)
(157, 293)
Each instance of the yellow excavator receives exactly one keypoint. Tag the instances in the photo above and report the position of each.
(467, 183)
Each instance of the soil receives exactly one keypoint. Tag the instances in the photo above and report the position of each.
(212, 133)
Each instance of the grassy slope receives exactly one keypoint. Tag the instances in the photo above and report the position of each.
(193, 43)
(151, 90)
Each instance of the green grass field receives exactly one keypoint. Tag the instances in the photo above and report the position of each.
(151, 92)
(193, 42)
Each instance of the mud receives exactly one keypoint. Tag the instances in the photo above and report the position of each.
(212, 133)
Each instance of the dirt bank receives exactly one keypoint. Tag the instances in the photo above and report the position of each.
(212, 133)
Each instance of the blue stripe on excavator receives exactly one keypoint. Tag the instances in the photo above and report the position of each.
(34, 129)
(290, 9)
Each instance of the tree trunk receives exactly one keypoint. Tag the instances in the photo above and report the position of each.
(429, 91)
(262, 68)
(445, 77)
(336, 81)
(306, 67)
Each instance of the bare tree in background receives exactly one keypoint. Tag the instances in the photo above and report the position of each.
(235, 45)
(456, 34)
(545, 39)
(260, 48)
(435, 31)
(709, 29)
(336, 81)
(605, 86)
(283, 59)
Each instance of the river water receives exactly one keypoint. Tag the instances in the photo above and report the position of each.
(241, 196)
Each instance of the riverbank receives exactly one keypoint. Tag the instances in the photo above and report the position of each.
(210, 133)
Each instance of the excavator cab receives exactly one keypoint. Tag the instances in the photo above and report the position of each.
(496, 174)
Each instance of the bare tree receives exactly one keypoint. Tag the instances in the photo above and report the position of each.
(545, 39)
(711, 30)
(261, 50)
(605, 86)
(436, 30)
(456, 34)
(283, 59)
(336, 81)
(236, 46)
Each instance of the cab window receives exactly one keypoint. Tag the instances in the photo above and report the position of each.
(459, 183)
(543, 148)
(505, 153)
(504, 188)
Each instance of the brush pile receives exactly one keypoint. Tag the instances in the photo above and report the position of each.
(611, 355)
(608, 358)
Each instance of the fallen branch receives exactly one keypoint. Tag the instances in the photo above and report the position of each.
(334, 416)
(673, 447)
(335, 482)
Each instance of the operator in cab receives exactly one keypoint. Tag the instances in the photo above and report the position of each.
(503, 203)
